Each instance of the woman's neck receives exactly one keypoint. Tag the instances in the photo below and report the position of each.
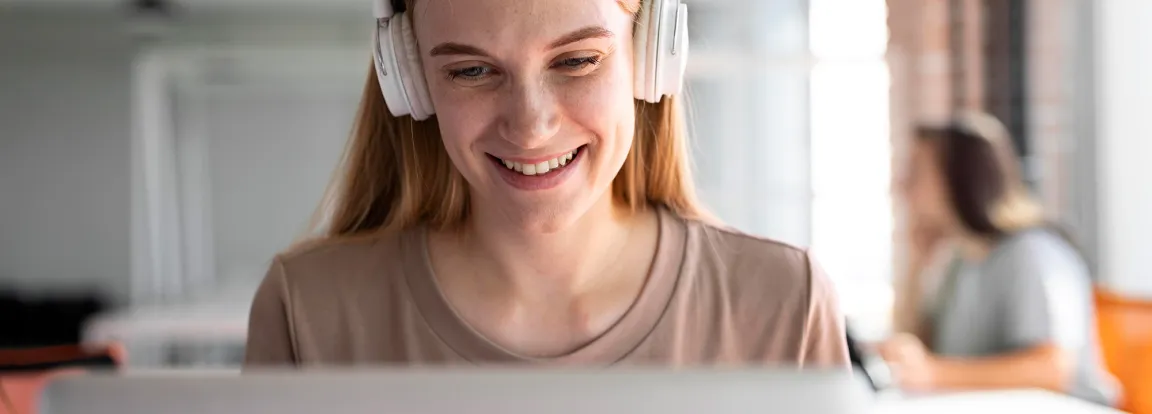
(579, 258)
(545, 294)
(974, 248)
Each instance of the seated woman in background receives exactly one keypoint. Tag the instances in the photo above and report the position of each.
(1009, 303)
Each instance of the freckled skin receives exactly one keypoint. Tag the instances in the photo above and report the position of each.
(528, 101)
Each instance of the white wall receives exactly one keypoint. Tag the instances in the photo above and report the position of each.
(256, 155)
(64, 153)
(1124, 137)
(66, 129)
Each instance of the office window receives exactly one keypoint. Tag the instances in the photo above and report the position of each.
(852, 218)
(791, 133)
(748, 85)
(239, 151)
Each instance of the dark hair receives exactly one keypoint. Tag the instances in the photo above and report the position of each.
(981, 175)
(984, 186)
(972, 178)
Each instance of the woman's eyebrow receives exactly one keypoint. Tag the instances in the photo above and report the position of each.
(450, 48)
(589, 32)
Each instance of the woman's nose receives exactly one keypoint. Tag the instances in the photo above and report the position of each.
(531, 116)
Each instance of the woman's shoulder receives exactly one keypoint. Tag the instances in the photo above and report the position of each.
(333, 251)
(739, 247)
(771, 269)
(1038, 252)
(318, 293)
(1037, 245)
(771, 284)
(327, 263)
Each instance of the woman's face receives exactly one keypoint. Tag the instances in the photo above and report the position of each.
(924, 188)
(534, 100)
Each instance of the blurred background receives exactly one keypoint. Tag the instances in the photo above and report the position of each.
(154, 155)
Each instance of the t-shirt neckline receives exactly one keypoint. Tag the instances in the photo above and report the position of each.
(614, 344)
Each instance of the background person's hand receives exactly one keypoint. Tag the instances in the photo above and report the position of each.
(913, 366)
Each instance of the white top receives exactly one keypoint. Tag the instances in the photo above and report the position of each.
(989, 402)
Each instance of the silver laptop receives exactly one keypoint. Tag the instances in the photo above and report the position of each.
(463, 391)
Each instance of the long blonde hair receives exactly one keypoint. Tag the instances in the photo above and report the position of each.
(396, 174)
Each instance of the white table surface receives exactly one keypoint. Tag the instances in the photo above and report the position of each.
(990, 402)
(170, 323)
(977, 402)
(222, 316)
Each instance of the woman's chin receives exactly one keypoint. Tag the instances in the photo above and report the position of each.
(543, 218)
(542, 214)
(543, 211)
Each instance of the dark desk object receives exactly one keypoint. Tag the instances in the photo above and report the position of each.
(868, 364)
(27, 321)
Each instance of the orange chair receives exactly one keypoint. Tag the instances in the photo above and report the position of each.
(25, 372)
(1125, 328)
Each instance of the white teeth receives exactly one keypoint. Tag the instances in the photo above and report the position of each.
(542, 167)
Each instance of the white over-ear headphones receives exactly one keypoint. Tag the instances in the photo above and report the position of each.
(660, 44)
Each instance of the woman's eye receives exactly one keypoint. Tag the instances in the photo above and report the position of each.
(579, 63)
(469, 73)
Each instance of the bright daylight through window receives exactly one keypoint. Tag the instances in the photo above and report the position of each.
(851, 155)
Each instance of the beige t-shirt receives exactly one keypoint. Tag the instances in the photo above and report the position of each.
(714, 296)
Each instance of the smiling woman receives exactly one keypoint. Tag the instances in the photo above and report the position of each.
(516, 190)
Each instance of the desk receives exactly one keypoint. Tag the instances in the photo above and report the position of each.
(208, 330)
(217, 316)
(989, 402)
(176, 323)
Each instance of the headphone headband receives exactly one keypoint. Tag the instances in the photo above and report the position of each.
(385, 9)
(660, 49)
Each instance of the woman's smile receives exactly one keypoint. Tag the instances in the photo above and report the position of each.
(538, 173)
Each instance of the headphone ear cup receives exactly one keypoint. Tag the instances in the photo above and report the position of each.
(641, 43)
(388, 72)
(661, 49)
(415, 83)
(674, 51)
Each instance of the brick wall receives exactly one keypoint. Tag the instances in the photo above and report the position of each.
(950, 54)
(1050, 101)
(922, 77)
